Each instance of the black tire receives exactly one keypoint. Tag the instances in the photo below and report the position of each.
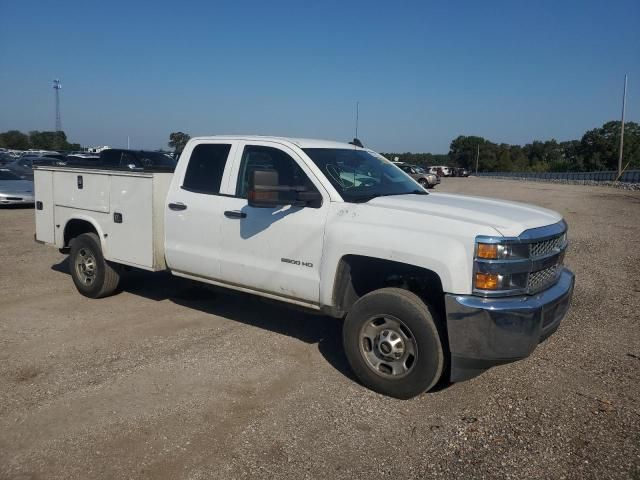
(101, 279)
(414, 315)
(424, 183)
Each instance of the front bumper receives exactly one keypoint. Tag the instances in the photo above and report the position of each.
(484, 332)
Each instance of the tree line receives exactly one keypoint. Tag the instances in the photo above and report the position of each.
(597, 150)
(16, 140)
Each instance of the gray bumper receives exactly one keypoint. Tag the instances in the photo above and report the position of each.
(484, 332)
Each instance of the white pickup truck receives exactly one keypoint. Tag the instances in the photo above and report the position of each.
(432, 286)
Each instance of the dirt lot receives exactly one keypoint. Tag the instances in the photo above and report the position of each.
(169, 381)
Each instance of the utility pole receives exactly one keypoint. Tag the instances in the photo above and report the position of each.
(477, 158)
(357, 117)
(56, 87)
(624, 102)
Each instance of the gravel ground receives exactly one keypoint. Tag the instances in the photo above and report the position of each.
(170, 381)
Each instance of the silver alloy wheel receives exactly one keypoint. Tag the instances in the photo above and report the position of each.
(388, 346)
(86, 266)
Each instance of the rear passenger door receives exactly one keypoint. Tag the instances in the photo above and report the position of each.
(194, 212)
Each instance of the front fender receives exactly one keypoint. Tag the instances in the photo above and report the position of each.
(444, 246)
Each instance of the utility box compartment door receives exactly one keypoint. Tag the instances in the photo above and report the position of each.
(131, 220)
(45, 221)
(83, 190)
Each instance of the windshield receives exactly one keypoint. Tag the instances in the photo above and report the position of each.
(359, 175)
(7, 175)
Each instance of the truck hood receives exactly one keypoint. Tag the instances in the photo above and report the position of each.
(508, 218)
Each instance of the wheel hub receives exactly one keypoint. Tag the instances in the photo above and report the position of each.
(86, 266)
(388, 346)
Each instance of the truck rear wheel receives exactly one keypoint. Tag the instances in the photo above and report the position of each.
(392, 343)
(93, 276)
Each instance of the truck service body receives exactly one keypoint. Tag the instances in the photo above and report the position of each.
(429, 283)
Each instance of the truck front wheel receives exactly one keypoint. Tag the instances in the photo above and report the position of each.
(93, 276)
(392, 343)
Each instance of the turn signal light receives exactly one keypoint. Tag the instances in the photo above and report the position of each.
(487, 281)
(487, 250)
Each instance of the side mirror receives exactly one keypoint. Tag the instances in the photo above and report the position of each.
(263, 189)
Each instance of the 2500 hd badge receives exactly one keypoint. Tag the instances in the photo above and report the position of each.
(296, 262)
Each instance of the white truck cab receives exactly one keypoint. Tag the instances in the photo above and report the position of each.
(428, 283)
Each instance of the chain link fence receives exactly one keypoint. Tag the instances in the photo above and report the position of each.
(630, 176)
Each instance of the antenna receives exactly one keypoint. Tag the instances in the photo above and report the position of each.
(57, 86)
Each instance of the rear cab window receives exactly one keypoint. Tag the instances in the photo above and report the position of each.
(206, 167)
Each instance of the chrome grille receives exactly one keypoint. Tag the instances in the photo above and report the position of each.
(540, 279)
(540, 249)
(529, 263)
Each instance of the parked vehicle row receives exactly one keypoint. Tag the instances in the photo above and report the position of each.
(443, 171)
(112, 158)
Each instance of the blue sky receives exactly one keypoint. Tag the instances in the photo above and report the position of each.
(423, 72)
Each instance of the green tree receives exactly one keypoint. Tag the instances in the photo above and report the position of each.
(15, 140)
(177, 141)
(599, 148)
(49, 140)
(463, 151)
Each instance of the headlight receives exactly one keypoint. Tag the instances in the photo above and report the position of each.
(500, 268)
(494, 282)
(518, 265)
(498, 251)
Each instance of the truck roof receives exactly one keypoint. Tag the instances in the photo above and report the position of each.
(300, 142)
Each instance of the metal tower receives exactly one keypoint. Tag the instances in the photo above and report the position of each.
(57, 86)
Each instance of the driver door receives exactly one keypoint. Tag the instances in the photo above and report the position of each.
(277, 249)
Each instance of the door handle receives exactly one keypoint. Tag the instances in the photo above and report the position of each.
(177, 206)
(235, 214)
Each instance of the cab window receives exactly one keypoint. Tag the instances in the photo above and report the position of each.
(257, 157)
(206, 167)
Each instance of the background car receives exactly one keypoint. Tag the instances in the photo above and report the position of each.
(117, 158)
(423, 170)
(424, 178)
(436, 171)
(23, 167)
(82, 159)
(15, 190)
(5, 158)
